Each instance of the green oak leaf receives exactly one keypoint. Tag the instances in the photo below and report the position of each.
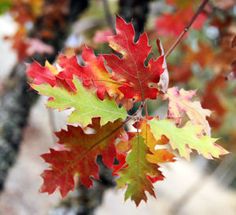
(186, 138)
(138, 172)
(85, 103)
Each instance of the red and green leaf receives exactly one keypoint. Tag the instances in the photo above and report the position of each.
(138, 173)
(79, 156)
(93, 74)
(141, 168)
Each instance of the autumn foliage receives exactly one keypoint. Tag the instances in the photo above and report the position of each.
(100, 92)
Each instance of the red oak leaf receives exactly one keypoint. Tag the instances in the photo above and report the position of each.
(41, 74)
(121, 163)
(19, 42)
(93, 74)
(130, 69)
(218, 107)
(70, 68)
(79, 156)
(98, 76)
(175, 23)
(49, 74)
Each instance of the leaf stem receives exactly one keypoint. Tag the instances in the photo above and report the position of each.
(146, 109)
(187, 27)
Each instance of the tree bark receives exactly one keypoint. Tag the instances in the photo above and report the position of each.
(135, 11)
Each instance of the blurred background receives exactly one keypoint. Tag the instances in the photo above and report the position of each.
(205, 60)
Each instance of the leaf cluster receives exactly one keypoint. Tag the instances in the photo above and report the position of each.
(100, 92)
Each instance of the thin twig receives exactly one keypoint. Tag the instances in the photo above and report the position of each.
(187, 27)
(108, 15)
